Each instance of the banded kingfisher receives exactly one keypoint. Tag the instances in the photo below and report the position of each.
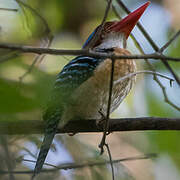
(82, 87)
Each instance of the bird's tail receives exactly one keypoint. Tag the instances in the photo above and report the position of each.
(43, 153)
(50, 131)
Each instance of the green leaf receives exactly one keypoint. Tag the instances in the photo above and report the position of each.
(13, 98)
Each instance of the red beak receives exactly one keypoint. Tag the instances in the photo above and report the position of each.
(127, 24)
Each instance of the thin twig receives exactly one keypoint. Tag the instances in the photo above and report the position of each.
(47, 32)
(47, 29)
(106, 125)
(36, 59)
(7, 157)
(153, 73)
(8, 56)
(68, 166)
(28, 151)
(9, 9)
(47, 164)
(110, 160)
(150, 40)
(142, 72)
(173, 38)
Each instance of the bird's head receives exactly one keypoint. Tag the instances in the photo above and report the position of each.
(115, 33)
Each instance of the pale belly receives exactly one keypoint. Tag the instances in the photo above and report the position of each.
(92, 96)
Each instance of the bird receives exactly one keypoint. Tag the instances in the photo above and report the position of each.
(81, 89)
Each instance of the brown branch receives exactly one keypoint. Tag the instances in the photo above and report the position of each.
(52, 51)
(143, 72)
(110, 160)
(150, 40)
(89, 126)
(83, 165)
(9, 56)
(8, 159)
(106, 124)
(76, 165)
(8, 9)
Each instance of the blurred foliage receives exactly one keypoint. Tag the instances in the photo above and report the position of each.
(71, 22)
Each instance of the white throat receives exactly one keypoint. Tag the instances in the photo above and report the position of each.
(113, 40)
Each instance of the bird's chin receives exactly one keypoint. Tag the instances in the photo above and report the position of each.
(112, 40)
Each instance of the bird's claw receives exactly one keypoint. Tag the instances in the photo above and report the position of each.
(71, 134)
(101, 122)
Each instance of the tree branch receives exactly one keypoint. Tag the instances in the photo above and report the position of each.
(38, 50)
(9, 9)
(89, 126)
(67, 166)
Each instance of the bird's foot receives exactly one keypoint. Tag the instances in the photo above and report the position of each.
(100, 123)
(71, 134)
